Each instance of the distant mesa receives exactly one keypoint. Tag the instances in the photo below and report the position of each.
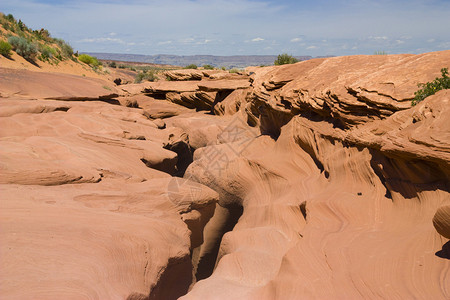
(235, 61)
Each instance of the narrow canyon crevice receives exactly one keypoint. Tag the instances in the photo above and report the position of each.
(205, 257)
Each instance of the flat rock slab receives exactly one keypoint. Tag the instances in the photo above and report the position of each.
(171, 86)
(223, 85)
(40, 85)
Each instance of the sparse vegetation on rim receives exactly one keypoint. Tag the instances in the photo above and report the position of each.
(432, 87)
(32, 44)
(284, 59)
(90, 60)
(23, 47)
(191, 66)
(5, 49)
(208, 67)
(149, 75)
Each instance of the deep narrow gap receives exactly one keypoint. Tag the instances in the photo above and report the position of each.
(185, 155)
(222, 222)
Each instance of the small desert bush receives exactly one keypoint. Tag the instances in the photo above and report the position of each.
(90, 60)
(284, 59)
(432, 87)
(10, 18)
(5, 49)
(66, 49)
(208, 67)
(146, 75)
(23, 47)
(47, 53)
(112, 64)
(234, 70)
(380, 53)
(42, 35)
(191, 66)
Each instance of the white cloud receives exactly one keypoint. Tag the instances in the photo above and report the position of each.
(431, 40)
(445, 45)
(102, 40)
(258, 39)
(204, 42)
(311, 47)
(399, 42)
(165, 43)
(186, 40)
(367, 24)
(378, 38)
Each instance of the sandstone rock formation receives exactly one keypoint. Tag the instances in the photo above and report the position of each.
(315, 180)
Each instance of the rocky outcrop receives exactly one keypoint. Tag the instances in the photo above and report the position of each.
(40, 85)
(182, 75)
(201, 95)
(441, 221)
(194, 74)
(371, 185)
(347, 90)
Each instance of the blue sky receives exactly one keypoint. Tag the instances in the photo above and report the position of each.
(242, 27)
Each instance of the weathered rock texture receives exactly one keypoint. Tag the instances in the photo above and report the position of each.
(316, 180)
(332, 210)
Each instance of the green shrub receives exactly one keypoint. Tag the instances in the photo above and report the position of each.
(284, 59)
(234, 70)
(380, 53)
(5, 49)
(47, 53)
(23, 47)
(112, 64)
(146, 75)
(66, 49)
(22, 26)
(208, 67)
(191, 66)
(42, 34)
(5, 24)
(10, 18)
(90, 60)
(430, 88)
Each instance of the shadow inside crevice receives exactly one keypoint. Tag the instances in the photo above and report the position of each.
(444, 252)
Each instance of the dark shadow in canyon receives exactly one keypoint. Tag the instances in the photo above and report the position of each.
(207, 261)
(444, 252)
